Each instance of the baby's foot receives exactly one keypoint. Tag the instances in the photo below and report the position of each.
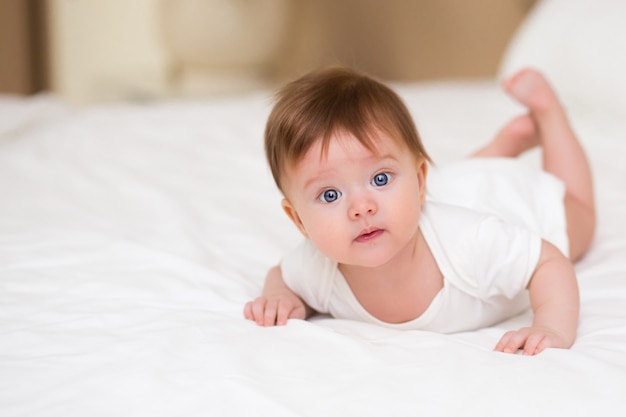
(531, 88)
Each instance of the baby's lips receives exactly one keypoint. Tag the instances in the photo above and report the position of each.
(369, 234)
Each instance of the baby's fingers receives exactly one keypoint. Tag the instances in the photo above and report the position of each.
(247, 311)
(287, 310)
(258, 310)
(512, 341)
(282, 315)
(271, 311)
(535, 344)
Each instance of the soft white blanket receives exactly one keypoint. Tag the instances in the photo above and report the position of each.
(131, 237)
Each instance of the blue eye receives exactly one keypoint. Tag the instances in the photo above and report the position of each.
(380, 179)
(329, 196)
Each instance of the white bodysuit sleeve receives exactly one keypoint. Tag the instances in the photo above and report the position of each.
(310, 274)
(505, 258)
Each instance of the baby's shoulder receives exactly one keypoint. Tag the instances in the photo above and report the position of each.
(463, 232)
(450, 218)
(476, 250)
(310, 274)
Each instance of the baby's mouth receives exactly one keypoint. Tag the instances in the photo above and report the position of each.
(369, 235)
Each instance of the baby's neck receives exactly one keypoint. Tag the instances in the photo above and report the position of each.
(400, 290)
(400, 268)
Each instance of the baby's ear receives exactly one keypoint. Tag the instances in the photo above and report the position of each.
(291, 212)
(422, 173)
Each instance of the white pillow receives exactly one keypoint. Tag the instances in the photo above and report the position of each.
(581, 46)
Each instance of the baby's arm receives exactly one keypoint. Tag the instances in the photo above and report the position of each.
(555, 302)
(277, 303)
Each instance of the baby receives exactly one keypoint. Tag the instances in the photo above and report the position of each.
(493, 235)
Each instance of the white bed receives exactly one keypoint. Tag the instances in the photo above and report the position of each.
(132, 235)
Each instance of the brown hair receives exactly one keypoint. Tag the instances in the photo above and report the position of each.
(321, 103)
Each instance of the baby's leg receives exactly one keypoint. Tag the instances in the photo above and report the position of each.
(516, 137)
(563, 155)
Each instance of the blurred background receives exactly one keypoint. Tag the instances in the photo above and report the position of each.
(89, 51)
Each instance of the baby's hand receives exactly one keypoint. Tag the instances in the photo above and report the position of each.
(275, 309)
(533, 340)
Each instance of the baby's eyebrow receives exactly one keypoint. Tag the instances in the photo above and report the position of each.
(377, 159)
(313, 180)
(386, 156)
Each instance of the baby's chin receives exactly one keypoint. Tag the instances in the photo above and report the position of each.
(373, 257)
(369, 262)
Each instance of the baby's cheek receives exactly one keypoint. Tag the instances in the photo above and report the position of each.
(329, 241)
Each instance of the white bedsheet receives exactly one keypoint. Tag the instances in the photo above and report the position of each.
(131, 237)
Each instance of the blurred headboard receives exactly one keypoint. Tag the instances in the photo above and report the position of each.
(581, 46)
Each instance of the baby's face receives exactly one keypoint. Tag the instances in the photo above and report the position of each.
(357, 206)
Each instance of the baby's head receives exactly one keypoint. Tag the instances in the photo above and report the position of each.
(337, 100)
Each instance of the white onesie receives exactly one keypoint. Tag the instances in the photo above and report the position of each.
(483, 222)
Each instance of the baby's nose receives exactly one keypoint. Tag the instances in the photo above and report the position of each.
(362, 207)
